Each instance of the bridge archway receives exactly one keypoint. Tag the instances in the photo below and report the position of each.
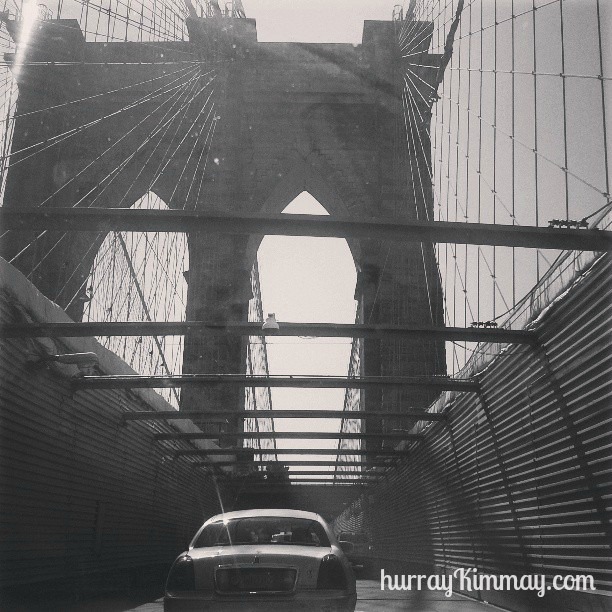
(304, 177)
(305, 279)
(138, 276)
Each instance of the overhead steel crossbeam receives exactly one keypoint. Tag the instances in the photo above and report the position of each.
(319, 330)
(203, 415)
(286, 435)
(441, 383)
(334, 478)
(287, 451)
(140, 220)
(248, 479)
(305, 462)
(321, 473)
(325, 478)
(329, 482)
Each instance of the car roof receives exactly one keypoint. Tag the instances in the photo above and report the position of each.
(285, 513)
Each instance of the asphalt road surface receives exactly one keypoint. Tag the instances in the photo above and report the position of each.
(370, 599)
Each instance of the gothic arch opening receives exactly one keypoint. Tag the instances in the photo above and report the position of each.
(305, 279)
(139, 276)
(313, 177)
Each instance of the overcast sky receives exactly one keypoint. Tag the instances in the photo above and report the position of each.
(307, 280)
(338, 21)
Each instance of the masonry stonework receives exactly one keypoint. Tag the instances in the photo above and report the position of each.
(289, 117)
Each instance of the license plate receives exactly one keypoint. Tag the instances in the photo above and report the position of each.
(255, 580)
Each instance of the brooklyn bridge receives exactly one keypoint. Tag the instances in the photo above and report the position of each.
(245, 265)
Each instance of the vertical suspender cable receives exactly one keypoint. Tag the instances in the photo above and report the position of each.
(494, 264)
(513, 150)
(480, 73)
(603, 103)
(535, 132)
(564, 90)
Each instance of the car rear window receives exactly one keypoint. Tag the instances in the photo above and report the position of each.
(263, 530)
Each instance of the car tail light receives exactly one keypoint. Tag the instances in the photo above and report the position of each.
(181, 576)
(331, 574)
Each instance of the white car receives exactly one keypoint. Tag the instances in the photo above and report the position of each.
(262, 560)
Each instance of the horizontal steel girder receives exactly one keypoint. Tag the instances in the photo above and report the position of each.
(203, 415)
(305, 462)
(195, 452)
(309, 481)
(323, 473)
(441, 383)
(306, 480)
(287, 435)
(125, 219)
(319, 330)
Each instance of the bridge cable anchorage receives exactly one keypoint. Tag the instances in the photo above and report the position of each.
(130, 220)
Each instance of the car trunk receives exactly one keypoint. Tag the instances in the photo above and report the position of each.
(257, 568)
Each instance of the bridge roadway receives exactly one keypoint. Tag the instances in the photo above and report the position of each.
(370, 599)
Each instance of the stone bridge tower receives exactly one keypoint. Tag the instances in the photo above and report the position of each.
(325, 118)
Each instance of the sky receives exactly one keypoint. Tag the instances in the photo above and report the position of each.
(312, 280)
(339, 21)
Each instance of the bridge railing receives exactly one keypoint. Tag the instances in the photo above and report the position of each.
(568, 266)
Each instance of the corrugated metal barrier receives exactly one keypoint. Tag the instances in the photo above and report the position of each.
(518, 480)
(87, 502)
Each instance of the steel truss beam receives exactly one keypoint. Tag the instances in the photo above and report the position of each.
(441, 383)
(326, 482)
(305, 462)
(324, 473)
(203, 415)
(124, 219)
(195, 452)
(320, 330)
(309, 481)
(287, 435)
(306, 479)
